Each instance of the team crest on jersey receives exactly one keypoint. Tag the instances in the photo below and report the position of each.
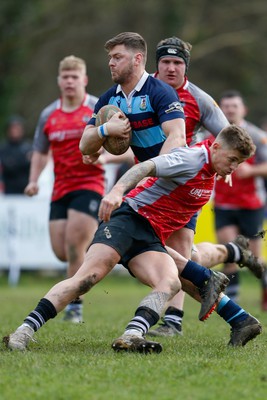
(175, 106)
(143, 104)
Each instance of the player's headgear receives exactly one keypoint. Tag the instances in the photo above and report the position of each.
(174, 47)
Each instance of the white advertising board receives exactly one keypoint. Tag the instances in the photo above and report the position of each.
(24, 235)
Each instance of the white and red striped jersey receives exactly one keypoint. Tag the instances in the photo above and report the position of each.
(184, 184)
(61, 132)
(201, 111)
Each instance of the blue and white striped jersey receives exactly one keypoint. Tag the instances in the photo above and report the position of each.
(151, 103)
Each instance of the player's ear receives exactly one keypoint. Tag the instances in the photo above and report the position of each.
(216, 146)
(86, 80)
(138, 58)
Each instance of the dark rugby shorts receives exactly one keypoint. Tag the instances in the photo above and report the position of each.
(129, 234)
(192, 223)
(249, 222)
(85, 201)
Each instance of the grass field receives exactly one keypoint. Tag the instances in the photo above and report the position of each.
(77, 362)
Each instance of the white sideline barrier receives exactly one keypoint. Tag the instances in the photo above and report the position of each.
(24, 235)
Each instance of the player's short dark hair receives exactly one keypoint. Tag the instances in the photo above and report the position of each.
(130, 40)
(231, 93)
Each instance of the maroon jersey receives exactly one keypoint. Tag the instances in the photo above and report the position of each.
(61, 132)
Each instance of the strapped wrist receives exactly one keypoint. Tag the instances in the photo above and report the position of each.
(102, 131)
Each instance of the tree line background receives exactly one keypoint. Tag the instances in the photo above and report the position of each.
(229, 41)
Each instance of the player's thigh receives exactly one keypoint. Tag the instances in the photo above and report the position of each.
(182, 241)
(155, 269)
(80, 228)
(57, 230)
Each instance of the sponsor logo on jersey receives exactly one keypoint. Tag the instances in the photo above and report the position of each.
(59, 136)
(175, 106)
(197, 193)
(144, 123)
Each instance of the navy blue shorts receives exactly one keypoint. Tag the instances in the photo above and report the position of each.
(249, 222)
(85, 201)
(192, 223)
(129, 233)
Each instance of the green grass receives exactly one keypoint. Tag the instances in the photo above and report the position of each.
(77, 362)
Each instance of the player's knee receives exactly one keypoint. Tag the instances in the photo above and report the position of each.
(196, 257)
(178, 286)
(175, 286)
(60, 253)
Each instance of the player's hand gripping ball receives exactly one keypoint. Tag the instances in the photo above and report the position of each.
(114, 145)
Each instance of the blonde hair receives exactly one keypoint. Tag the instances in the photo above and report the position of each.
(72, 62)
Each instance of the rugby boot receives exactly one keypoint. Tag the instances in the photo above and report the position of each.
(209, 293)
(247, 257)
(20, 339)
(244, 331)
(134, 343)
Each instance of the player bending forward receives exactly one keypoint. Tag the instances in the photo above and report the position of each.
(134, 234)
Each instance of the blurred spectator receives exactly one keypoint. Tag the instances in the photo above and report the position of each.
(15, 157)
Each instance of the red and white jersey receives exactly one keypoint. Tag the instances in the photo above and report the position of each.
(184, 183)
(247, 193)
(201, 111)
(61, 132)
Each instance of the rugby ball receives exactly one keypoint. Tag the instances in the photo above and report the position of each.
(114, 145)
